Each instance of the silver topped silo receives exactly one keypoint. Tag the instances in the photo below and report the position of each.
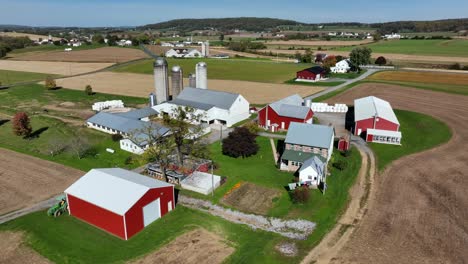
(161, 82)
(201, 73)
(177, 80)
(192, 80)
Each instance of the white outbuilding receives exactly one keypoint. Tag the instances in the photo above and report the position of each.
(342, 66)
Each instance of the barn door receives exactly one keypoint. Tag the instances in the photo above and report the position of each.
(151, 212)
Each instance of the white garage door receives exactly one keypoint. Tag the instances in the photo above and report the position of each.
(151, 212)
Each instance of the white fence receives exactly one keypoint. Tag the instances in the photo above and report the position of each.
(370, 66)
(99, 106)
(325, 108)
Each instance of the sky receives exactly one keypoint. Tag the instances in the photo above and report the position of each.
(88, 13)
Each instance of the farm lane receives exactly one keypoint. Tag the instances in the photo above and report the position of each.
(34, 208)
(418, 210)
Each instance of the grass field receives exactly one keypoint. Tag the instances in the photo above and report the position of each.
(451, 48)
(419, 132)
(233, 69)
(42, 48)
(9, 77)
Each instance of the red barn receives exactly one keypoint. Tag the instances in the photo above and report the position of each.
(311, 74)
(118, 201)
(278, 115)
(375, 119)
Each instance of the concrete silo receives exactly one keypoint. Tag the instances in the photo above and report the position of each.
(192, 80)
(207, 48)
(161, 82)
(152, 99)
(177, 80)
(201, 75)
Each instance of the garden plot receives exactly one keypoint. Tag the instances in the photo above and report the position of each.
(197, 246)
(251, 198)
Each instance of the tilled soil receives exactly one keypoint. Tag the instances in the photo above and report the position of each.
(197, 246)
(251, 198)
(420, 208)
(26, 180)
(61, 68)
(15, 252)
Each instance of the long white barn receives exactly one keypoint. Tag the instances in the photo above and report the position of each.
(216, 107)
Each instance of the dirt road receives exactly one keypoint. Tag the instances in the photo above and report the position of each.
(419, 210)
(142, 85)
(26, 180)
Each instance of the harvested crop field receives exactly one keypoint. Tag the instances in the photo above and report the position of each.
(30, 36)
(194, 247)
(26, 180)
(252, 198)
(105, 54)
(418, 211)
(141, 85)
(421, 77)
(15, 252)
(60, 68)
(319, 42)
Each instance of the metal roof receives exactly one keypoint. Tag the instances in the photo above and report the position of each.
(316, 162)
(298, 156)
(385, 133)
(192, 104)
(310, 135)
(139, 113)
(205, 98)
(290, 106)
(368, 107)
(115, 189)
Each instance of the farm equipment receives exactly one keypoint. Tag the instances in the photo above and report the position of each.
(59, 208)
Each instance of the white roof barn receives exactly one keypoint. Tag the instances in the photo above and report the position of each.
(371, 106)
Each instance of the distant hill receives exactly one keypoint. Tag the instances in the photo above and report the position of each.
(423, 26)
(222, 24)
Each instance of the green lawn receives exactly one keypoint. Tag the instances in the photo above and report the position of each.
(419, 132)
(9, 77)
(68, 240)
(452, 48)
(230, 69)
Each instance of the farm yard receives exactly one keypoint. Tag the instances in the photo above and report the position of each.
(101, 55)
(59, 68)
(404, 206)
(141, 85)
(437, 81)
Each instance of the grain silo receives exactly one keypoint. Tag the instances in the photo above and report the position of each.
(192, 80)
(152, 99)
(201, 75)
(161, 82)
(177, 80)
(207, 48)
(203, 49)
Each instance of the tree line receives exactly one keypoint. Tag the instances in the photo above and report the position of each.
(8, 44)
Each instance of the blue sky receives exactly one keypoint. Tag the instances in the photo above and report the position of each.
(140, 12)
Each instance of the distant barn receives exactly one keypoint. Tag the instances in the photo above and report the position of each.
(312, 74)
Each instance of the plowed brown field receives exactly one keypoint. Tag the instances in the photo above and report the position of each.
(25, 180)
(422, 77)
(420, 208)
(15, 252)
(106, 54)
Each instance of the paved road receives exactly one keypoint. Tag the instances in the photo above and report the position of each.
(348, 82)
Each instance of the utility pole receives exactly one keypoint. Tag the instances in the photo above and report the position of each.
(212, 180)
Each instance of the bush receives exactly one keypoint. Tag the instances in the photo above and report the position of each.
(252, 127)
(455, 66)
(340, 164)
(88, 90)
(346, 153)
(465, 68)
(301, 194)
(381, 61)
(129, 160)
(22, 125)
(50, 83)
(116, 137)
(240, 143)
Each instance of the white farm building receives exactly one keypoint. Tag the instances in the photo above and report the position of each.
(342, 66)
(216, 107)
(183, 53)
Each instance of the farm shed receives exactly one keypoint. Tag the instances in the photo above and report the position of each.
(312, 74)
(375, 120)
(278, 115)
(118, 201)
(312, 171)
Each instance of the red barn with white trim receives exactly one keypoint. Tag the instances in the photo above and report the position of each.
(375, 119)
(119, 201)
(311, 74)
(278, 115)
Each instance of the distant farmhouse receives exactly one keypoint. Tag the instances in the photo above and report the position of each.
(278, 115)
(216, 107)
(303, 143)
(342, 66)
(375, 120)
(313, 74)
(183, 53)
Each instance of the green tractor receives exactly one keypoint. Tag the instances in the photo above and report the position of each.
(59, 208)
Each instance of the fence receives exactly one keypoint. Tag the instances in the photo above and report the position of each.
(325, 108)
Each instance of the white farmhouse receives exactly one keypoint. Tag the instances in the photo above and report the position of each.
(216, 107)
(183, 53)
(342, 66)
(312, 171)
(393, 36)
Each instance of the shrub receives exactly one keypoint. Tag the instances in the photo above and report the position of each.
(465, 68)
(455, 66)
(22, 124)
(340, 164)
(252, 127)
(116, 137)
(301, 194)
(88, 90)
(129, 160)
(240, 143)
(50, 83)
(381, 61)
(345, 153)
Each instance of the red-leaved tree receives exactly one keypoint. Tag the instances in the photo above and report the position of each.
(22, 124)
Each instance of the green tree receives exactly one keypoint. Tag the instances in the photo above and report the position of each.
(240, 143)
(381, 61)
(221, 37)
(88, 90)
(21, 124)
(98, 38)
(360, 56)
(50, 83)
